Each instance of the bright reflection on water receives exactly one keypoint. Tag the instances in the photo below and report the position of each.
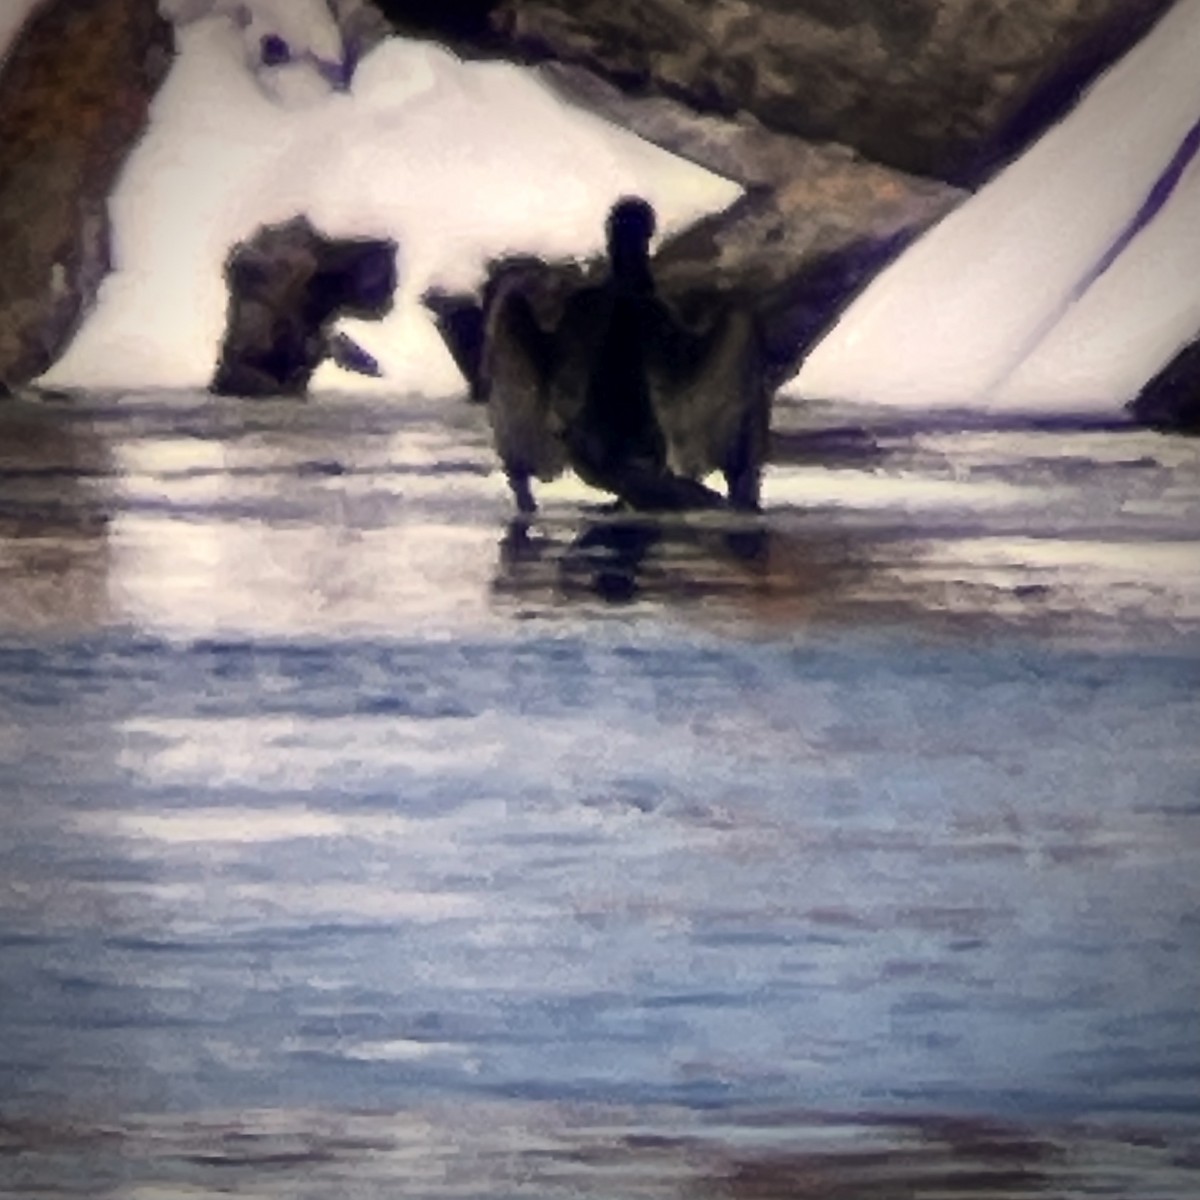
(355, 844)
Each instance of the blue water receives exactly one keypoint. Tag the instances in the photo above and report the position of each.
(354, 845)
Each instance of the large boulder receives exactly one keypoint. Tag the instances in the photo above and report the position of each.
(75, 94)
(288, 285)
(944, 88)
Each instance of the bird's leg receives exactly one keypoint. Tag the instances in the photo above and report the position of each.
(744, 487)
(743, 467)
(518, 481)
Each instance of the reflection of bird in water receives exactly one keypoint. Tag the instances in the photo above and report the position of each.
(623, 557)
(605, 379)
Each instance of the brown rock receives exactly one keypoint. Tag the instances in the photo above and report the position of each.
(944, 88)
(288, 284)
(797, 255)
(75, 93)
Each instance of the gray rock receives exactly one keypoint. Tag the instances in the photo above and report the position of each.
(287, 286)
(75, 93)
(796, 250)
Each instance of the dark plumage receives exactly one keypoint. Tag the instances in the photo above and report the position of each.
(604, 378)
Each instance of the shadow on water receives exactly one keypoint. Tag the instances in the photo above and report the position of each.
(723, 564)
(791, 570)
(489, 1150)
(54, 551)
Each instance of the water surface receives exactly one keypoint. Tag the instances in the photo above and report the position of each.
(357, 843)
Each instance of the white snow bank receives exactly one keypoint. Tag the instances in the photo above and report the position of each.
(1131, 322)
(458, 162)
(981, 310)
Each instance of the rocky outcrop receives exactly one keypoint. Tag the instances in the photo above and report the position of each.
(942, 88)
(75, 93)
(287, 286)
(1171, 400)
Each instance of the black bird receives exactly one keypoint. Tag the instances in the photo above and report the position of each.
(606, 344)
(604, 378)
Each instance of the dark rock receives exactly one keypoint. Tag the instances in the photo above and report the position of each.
(464, 25)
(288, 285)
(852, 125)
(796, 255)
(943, 88)
(1171, 400)
(816, 224)
(75, 93)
